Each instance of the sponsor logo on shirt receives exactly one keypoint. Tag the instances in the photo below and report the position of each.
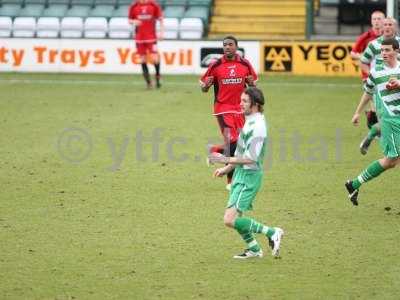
(145, 17)
(232, 80)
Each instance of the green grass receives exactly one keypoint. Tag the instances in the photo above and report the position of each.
(152, 229)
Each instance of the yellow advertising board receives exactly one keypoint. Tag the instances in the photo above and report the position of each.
(308, 58)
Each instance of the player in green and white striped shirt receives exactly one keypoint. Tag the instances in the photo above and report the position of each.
(384, 82)
(370, 58)
(247, 178)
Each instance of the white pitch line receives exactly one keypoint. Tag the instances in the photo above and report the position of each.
(166, 83)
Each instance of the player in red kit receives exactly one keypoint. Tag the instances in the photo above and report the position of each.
(362, 41)
(358, 48)
(229, 75)
(144, 15)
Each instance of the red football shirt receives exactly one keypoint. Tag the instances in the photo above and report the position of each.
(229, 83)
(362, 43)
(147, 13)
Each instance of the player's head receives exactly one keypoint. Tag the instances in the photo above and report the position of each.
(377, 20)
(389, 27)
(230, 45)
(389, 49)
(252, 100)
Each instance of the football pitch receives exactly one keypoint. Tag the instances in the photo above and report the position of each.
(105, 194)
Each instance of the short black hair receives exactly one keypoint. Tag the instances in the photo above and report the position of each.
(256, 97)
(391, 41)
(231, 37)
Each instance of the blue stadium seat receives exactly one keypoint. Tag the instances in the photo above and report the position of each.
(55, 10)
(174, 12)
(121, 11)
(105, 11)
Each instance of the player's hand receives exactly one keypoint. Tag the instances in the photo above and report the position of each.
(356, 119)
(160, 36)
(136, 22)
(209, 81)
(219, 172)
(205, 85)
(250, 80)
(393, 84)
(216, 157)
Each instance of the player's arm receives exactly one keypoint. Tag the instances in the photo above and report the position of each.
(132, 17)
(223, 171)
(251, 154)
(366, 58)
(369, 88)
(160, 17)
(365, 98)
(222, 159)
(231, 163)
(364, 67)
(206, 83)
(252, 78)
(355, 55)
(357, 48)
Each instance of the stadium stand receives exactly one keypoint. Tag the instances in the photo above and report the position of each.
(119, 28)
(259, 19)
(71, 27)
(48, 27)
(55, 10)
(357, 12)
(80, 8)
(191, 28)
(174, 11)
(10, 8)
(187, 19)
(95, 28)
(24, 27)
(171, 28)
(5, 27)
(121, 11)
(32, 8)
(103, 8)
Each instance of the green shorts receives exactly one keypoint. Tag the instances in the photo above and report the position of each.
(245, 185)
(390, 138)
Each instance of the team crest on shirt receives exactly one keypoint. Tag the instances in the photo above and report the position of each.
(231, 80)
(143, 14)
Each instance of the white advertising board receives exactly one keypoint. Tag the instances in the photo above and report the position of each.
(110, 56)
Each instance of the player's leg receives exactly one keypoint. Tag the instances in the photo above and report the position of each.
(230, 125)
(390, 143)
(374, 131)
(244, 189)
(141, 49)
(253, 248)
(371, 116)
(155, 56)
(373, 126)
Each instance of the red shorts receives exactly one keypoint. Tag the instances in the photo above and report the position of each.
(230, 126)
(144, 48)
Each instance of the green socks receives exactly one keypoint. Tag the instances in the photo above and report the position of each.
(247, 226)
(250, 241)
(373, 132)
(372, 171)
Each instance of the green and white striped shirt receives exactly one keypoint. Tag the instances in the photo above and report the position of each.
(252, 141)
(388, 100)
(372, 54)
